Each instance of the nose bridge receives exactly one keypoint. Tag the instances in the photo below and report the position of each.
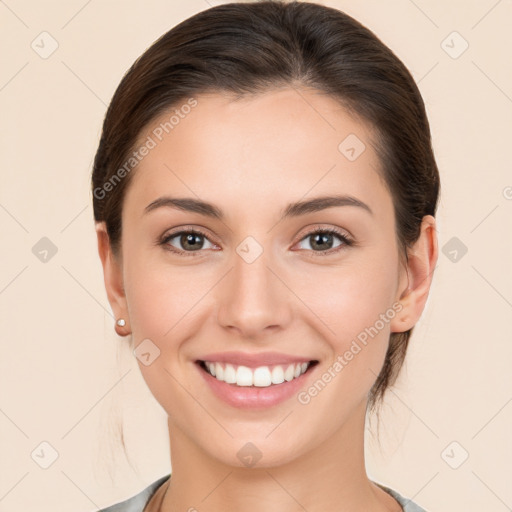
(253, 298)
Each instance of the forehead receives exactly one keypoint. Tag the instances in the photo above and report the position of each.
(265, 147)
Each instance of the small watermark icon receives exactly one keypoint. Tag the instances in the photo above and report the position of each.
(454, 45)
(146, 352)
(351, 147)
(454, 249)
(44, 45)
(44, 455)
(249, 249)
(455, 455)
(44, 250)
(249, 455)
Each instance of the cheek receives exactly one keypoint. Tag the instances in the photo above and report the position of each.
(161, 307)
(357, 306)
(353, 299)
(159, 296)
(358, 315)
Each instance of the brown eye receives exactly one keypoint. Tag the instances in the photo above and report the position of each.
(188, 241)
(325, 240)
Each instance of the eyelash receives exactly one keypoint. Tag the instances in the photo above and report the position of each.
(346, 241)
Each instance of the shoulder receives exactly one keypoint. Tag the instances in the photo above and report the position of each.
(139, 501)
(407, 504)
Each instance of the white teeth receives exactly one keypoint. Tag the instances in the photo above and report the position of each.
(262, 377)
(289, 373)
(244, 376)
(229, 374)
(277, 375)
(259, 377)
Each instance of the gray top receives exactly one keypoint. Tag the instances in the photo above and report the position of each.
(140, 500)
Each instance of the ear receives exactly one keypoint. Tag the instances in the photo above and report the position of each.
(113, 278)
(416, 277)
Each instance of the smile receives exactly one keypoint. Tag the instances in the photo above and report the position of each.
(262, 376)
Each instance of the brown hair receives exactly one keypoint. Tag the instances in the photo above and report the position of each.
(245, 48)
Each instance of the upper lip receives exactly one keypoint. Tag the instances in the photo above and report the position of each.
(254, 360)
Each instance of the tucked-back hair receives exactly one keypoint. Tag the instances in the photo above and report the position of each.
(246, 48)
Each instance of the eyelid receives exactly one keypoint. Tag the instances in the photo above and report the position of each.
(307, 231)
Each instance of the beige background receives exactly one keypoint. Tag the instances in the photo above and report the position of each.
(63, 375)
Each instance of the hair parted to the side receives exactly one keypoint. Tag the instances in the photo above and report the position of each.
(246, 48)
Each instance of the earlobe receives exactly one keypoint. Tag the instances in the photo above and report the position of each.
(422, 260)
(113, 279)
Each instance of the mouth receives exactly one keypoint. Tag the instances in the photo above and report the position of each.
(258, 377)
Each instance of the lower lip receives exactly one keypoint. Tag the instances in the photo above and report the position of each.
(252, 397)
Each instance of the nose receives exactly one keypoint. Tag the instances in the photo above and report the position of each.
(253, 300)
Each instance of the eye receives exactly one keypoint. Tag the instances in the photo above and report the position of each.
(322, 240)
(187, 241)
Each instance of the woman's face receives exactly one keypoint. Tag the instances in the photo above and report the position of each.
(258, 280)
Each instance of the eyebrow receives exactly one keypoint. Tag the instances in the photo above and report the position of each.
(292, 210)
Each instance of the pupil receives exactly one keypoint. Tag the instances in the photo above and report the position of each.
(191, 239)
(323, 242)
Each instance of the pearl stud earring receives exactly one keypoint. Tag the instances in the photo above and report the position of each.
(121, 322)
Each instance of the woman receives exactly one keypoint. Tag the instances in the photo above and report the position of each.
(264, 196)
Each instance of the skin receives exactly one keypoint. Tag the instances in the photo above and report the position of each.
(251, 157)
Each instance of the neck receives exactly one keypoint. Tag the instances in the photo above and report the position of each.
(329, 477)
